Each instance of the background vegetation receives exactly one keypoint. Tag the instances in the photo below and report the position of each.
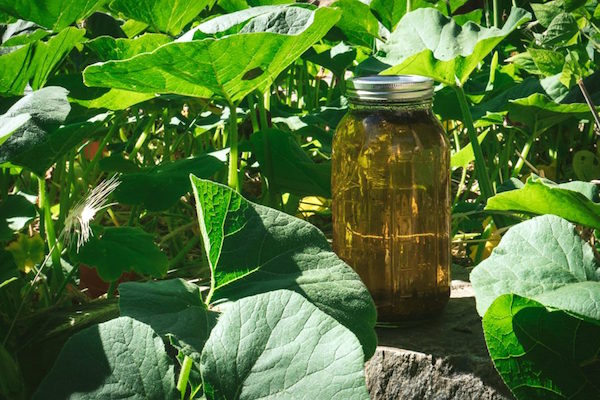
(244, 95)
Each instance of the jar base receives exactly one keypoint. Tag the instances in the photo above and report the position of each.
(411, 311)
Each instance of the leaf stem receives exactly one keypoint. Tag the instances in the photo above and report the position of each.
(184, 375)
(232, 177)
(480, 167)
(54, 251)
(590, 103)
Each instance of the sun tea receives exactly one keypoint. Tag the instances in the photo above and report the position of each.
(391, 195)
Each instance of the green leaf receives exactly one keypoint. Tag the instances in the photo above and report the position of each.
(16, 212)
(544, 259)
(293, 170)
(464, 156)
(51, 14)
(108, 48)
(439, 47)
(160, 187)
(27, 251)
(540, 112)
(173, 308)
(202, 68)
(586, 165)
(123, 249)
(548, 62)
(121, 358)
(22, 32)
(279, 345)
(11, 124)
(336, 59)
(169, 16)
(562, 28)
(540, 196)
(42, 139)
(34, 62)
(253, 249)
(542, 353)
(111, 99)
(357, 22)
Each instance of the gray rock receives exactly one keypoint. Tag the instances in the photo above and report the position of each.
(443, 359)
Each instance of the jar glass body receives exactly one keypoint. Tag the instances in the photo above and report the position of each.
(391, 206)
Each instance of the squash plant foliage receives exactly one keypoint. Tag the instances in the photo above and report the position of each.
(216, 117)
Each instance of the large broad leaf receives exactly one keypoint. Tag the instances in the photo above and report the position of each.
(160, 187)
(111, 99)
(357, 22)
(542, 353)
(293, 170)
(543, 259)
(108, 48)
(230, 67)
(34, 62)
(439, 47)
(540, 196)
(254, 249)
(124, 249)
(173, 308)
(22, 32)
(51, 14)
(279, 345)
(121, 358)
(169, 16)
(42, 139)
(539, 112)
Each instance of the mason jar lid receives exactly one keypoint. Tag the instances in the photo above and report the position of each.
(390, 88)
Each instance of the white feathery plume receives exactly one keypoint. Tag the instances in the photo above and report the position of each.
(77, 223)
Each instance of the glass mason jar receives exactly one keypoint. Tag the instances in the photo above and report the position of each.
(391, 195)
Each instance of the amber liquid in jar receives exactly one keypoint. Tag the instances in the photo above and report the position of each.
(391, 206)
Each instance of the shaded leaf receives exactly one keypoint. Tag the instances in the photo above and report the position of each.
(173, 308)
(464, 156)
(293, 170)
(279, 345)
(121, 358)
(544, 259)
(22, 32)
(440, 48)
(16, 212)
(42, 139)
(253, 249)
(336, 59)
(124, 249)
(160, 187)
(540, 196)
(202, 68)
(542, 353)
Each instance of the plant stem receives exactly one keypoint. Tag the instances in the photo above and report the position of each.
(49, 230)
(480, 167)
(103, 143)
(184, 376)
(589, 102)
(232, 177)
(268, 167)
(408, 5)
(183, 252)
(253, 118)
(525, 152)
(496, 10)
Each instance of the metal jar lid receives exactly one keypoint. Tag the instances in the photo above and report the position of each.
(390, 88)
